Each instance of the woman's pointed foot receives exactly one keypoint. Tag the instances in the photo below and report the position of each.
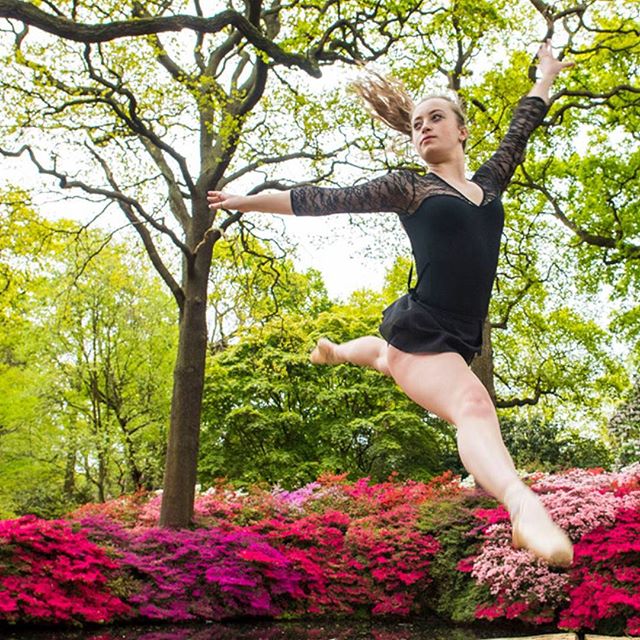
(534, 530)
(324, 353)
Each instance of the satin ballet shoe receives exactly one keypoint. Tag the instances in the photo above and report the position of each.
(534, 530)
(324, 353)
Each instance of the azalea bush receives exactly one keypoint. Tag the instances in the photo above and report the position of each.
(49, 573)
(333, 547)
(600, 512)
(207, 574)
(260, 550)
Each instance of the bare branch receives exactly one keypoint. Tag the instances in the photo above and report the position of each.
(128, 205)
(177, 73)
(214, 233)
(128, 210)
(92, 33)
(176, 200)
(134, 122)
(274, 160)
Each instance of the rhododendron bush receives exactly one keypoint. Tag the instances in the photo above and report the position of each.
(332, 547)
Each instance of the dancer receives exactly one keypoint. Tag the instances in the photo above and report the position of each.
(432, 333)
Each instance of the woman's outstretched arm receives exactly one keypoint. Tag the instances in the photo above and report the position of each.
(549, 68)
(391, 192)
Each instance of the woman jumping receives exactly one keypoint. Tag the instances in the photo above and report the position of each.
(432, 333)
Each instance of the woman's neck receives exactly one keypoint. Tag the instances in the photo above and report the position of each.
(452, 170)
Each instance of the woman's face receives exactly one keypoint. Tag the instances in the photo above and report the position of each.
(435, 130)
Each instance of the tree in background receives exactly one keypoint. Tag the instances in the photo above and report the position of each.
(89, 343)
(133, 109)
(142, 101)
(271, 416)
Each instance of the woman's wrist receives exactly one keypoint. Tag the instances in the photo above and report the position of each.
(541, 88)
(242, 203)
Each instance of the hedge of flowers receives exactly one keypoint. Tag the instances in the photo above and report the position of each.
(333, 547)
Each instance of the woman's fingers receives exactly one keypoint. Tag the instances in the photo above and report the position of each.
(216, 198)
(548, 62)
(545, 48)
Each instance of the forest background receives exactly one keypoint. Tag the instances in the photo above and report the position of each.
(110, 144)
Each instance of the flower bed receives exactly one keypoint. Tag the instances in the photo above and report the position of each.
(333, 548)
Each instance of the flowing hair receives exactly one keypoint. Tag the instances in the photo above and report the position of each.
(387, 99)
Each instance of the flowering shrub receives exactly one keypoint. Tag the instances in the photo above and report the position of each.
(333, 547)
(584, 503)
(206, 573)
(349, 563)
(49, 573)
(606, 581)
(222, 505)
(124, 509)
(359, 498)
(368, 551)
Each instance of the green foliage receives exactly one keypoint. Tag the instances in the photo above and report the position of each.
(450, 519)
(85, 369)
(624, 428)
(250, 285)
(542, 445)
(270, 415)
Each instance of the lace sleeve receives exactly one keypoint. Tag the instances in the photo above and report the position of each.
(498, 170)
(394, 191)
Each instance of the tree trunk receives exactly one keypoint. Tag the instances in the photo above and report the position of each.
(482, 365)
(69, 487)
(186, 405)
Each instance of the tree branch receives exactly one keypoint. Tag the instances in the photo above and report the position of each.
(128, 205)
(176, 200)
(265, 161)
(585, 236)
(92, 33)
(134, 122)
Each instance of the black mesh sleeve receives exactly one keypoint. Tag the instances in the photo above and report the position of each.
(395, 191)
(498, 170)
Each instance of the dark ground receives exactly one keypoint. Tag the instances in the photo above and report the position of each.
(423, 629)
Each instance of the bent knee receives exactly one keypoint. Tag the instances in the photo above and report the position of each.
(475, 402)
(382, 365)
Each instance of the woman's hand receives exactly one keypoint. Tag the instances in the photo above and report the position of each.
(222, 200)
(548, 65)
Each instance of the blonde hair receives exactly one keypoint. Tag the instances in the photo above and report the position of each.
(387, 99)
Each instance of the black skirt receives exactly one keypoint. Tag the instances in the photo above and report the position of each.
(413, 326)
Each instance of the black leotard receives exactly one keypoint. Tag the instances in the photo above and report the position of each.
(455, 242)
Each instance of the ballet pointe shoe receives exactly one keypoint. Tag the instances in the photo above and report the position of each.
(534, 530)
(324, 353)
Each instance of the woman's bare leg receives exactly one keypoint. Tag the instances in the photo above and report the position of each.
(443, 384)
(367, 351)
